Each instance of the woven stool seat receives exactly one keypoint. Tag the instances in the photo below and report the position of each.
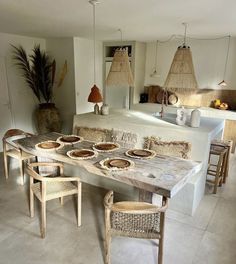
(133, 219)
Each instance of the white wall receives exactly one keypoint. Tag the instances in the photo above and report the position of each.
(208, 58)
(83, 55)
(62, 49)
(23, 101)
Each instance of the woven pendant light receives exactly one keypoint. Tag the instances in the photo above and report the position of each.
(181, 76)
(120, 72)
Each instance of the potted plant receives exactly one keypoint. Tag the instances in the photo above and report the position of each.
(38, 70)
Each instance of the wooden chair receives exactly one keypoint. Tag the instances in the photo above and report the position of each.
(50, 187)
(134, 219)
(227, 144)
(10, 149)
(217, 170)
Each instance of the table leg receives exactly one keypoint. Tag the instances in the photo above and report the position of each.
(145, 196)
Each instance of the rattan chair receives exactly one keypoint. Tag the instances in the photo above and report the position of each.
(10, 149)
(134, 219)
(50, 187)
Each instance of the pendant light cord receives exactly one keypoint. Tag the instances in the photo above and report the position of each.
(227, 57)
(156, 56)
(185, 33)
(94, 43)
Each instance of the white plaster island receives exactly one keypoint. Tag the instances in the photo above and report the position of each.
(161, 175)
(145, 124)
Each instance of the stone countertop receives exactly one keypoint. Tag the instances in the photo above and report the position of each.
(126, 119)
(163, 175)
(205, 111)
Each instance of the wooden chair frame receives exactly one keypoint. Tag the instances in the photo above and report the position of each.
(19, 154)
(218, 170)
(44, 197)
(134, 208)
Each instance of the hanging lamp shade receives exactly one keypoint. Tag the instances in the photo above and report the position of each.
(181, 76)
(120, 72)
(95, 95)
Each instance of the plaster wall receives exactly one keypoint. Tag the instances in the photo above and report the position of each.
(62, 49)
(84, 73)
(19, 100)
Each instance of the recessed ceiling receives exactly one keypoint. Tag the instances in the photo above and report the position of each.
(144, 20)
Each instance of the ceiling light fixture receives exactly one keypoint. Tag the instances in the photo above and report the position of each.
(154, 74)
(120, 73)
(223, 83)
(181, 76)
(95, 95)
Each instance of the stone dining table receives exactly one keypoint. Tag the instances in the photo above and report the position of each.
(163, 175)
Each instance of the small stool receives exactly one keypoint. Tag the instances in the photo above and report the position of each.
(228, 145)
(217, 170)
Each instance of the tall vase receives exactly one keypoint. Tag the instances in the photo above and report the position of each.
(48, 118)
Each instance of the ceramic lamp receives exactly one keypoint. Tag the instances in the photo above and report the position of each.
(95, 97)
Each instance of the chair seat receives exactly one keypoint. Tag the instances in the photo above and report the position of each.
(54, 190)
(17, 154)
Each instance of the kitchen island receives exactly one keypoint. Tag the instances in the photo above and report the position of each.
(145, 124)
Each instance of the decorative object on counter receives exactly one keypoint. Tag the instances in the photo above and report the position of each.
(93, 134)
(143, 98)
(105, 109)
(95, 97)
(106, 146)
(82, 154)
(154, 74)
(195, 118)
(181, 75)
(116, 164)
(181, 116)
(223, 83)
(49, 145)
(140, 153)
(220, 105)
(124, 138)
(180, 149)
(69, 139)
(173, 99)
(39, 74)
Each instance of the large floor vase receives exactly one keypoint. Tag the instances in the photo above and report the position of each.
(48, 118)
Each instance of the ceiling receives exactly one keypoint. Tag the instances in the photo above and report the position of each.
(143, 20)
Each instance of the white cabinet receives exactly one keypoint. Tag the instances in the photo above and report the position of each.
(124, 97)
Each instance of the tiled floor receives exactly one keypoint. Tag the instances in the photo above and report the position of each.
(207, 238)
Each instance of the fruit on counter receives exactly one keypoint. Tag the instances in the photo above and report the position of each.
(217, 103)
(223, 106)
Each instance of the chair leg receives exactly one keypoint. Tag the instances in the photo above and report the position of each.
(31, 203)
(43, 219)
(107, 248)
(79, 196)
(5, 166)
(161, 240)
(61, 200)
(22, 172)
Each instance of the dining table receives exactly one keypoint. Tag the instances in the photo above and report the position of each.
(162, 175)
